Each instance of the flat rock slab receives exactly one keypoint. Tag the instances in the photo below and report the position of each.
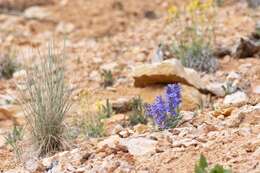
(168, 71)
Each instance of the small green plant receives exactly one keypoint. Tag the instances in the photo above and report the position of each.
(105, 111)
(257, 30)
(229, 88)
(137, 114)
(7, 67)
(46, 101)
(13, 139)
(219, 3)
(202, 167)
(107, 77)
(94, 127)
(196, 55)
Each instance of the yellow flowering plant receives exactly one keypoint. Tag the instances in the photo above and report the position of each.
(194, 20)
(195, 32)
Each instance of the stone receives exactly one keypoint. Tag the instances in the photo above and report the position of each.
(121, 105)
(6, 115)
(244, 68)
(65, 28)
(256, 89)
(124, 133)
(95, 76)
(7, 99)
(191, 97)
(112, 122)
(225, 112)
(184, 142)
(253, 3)
(141, 128)
(20, 5)
(168, 71)
(216, 88)
(245, 114)
(109, 66)
(19, 75)
(233, 76)
(187, 115)
(221, 52)
(36, 12)
(237, 98)
(2, 140)
(157, 55)
(246, 48)
(139, 146)
(118, 128)
(111, 142)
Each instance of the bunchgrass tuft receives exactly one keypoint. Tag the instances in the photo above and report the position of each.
(13, 139)
(46, 101)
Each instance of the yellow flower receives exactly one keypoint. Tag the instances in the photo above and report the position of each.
(172, 11)
(98, 105)
(207, 5)
(193, 6)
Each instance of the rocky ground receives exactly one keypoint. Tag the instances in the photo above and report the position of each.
(123, 36)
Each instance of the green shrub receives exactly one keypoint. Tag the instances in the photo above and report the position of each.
(107, 78)
(137, 114)
(202, 167)
(196, 55)
(7, 67)
(105, 111)
(13, 138)
(46, 103)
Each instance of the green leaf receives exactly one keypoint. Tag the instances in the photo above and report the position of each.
(203, 162)
(198, 169)
(219, 169)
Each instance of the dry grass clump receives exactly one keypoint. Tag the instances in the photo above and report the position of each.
(46, 101)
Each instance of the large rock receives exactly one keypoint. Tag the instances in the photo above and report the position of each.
(191, 97)
(253, 3)
(22, 4)
(139, 146)
(237, 98)
(36, 12)
(168, 71)
(246, 48)
(246, 114)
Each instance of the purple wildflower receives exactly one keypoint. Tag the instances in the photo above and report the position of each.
(158, 111)
(162, 111)
(173, 98)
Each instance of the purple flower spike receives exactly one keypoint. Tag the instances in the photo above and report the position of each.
(173, 98)
(162, 111)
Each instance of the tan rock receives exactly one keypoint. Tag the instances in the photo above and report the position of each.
(168, 71)
(225, 111)
(141, 128)
(7, 118)
(139, 146)
(191, 97)
(244, 115)
(111, 123)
